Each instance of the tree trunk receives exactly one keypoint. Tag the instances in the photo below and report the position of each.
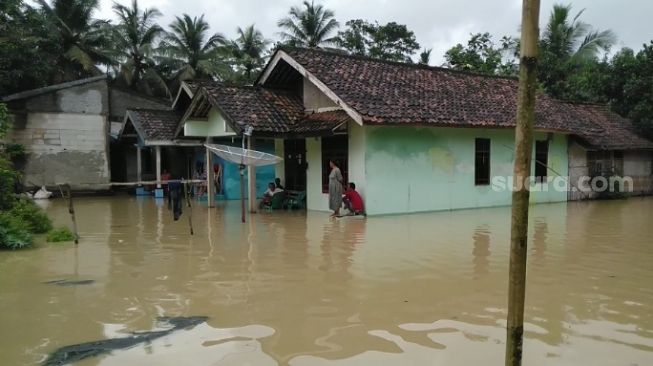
(521, 173)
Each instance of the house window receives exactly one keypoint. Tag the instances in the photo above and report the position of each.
(541, 160)
(334, 148)
(598, 163)
(482, 162)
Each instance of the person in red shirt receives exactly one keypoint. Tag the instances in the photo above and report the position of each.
(353, 201)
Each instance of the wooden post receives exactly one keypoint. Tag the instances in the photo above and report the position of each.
(251, 179)
(190, 208)
(158, 166)
(71, 210)
(242, 193)
(139, 164)
(521, 173)
(210, 194)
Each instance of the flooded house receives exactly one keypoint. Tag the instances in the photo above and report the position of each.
(66, 128)
(609, 147)
(413, 138)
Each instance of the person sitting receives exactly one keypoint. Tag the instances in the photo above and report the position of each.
(353, 201)
(277, 183)
(267, 195)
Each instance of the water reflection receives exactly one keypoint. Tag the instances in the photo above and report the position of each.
(300, 289)
(481, 251)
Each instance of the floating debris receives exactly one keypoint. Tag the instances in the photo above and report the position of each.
(77, 352)
(69, 282)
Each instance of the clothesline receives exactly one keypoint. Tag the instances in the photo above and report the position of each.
(147, 182)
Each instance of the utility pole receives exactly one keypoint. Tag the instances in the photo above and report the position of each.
(521, 173)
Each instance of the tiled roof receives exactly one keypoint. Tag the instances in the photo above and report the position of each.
(321, 122)
(153, 124)
(195, 84)
(605, 129)
(384, 92)
(267, 110)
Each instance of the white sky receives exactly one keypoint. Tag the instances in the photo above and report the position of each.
(438, 24)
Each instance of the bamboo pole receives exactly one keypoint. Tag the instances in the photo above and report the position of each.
(190, 208)
(521, 173)
(71, 210)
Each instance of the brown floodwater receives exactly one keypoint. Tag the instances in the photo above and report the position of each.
(294, 288)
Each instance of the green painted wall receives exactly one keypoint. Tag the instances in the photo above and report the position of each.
(411, 169)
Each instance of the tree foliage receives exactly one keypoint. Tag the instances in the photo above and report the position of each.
(246, 55)
(189, 49)
(28, 56)
(19, 218)
(567, 45)
(84, 39)
(310, 26)
(391, 41)
(482, 55)
(135, 37)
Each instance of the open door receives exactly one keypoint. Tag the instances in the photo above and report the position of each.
(295, 164)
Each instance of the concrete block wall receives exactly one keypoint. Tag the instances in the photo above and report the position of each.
(65, 148)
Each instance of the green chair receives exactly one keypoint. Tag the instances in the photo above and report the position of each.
(277, 201)
(297, 201)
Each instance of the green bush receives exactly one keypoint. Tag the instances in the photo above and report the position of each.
(13, 232)
(60, 234)
(37, 222)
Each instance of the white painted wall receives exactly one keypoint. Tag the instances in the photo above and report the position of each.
(314, 98)
(315, 199)
(356, 162)
(214, 126)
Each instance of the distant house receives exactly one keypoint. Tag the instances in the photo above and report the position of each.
(413, 138)
(66, 130)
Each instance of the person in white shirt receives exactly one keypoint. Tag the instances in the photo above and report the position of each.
(267, 195)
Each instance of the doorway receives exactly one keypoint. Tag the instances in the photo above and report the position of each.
(295, 164)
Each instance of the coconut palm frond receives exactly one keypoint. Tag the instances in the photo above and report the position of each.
(593, 43)
(310, 25)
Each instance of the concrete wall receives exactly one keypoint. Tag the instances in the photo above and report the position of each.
(65, 148)
(578, 168)
(91, 98)
(314, 98)
(638, 165)
(428, 169)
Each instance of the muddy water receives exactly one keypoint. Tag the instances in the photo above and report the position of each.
(300, 289)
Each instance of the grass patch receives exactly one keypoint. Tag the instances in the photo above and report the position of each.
(60, 234)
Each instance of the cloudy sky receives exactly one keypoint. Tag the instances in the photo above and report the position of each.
(438, 24)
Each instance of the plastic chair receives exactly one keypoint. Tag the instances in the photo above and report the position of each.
(297, 201)
(277, 201)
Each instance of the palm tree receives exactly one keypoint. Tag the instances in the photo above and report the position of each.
(84, 40)
(425, 56)
(135, 38)
(248, 51)
(309, 27)
(567, 43)
(573, 38)
(187, 50)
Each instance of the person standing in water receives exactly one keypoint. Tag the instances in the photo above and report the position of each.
(335, 189)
